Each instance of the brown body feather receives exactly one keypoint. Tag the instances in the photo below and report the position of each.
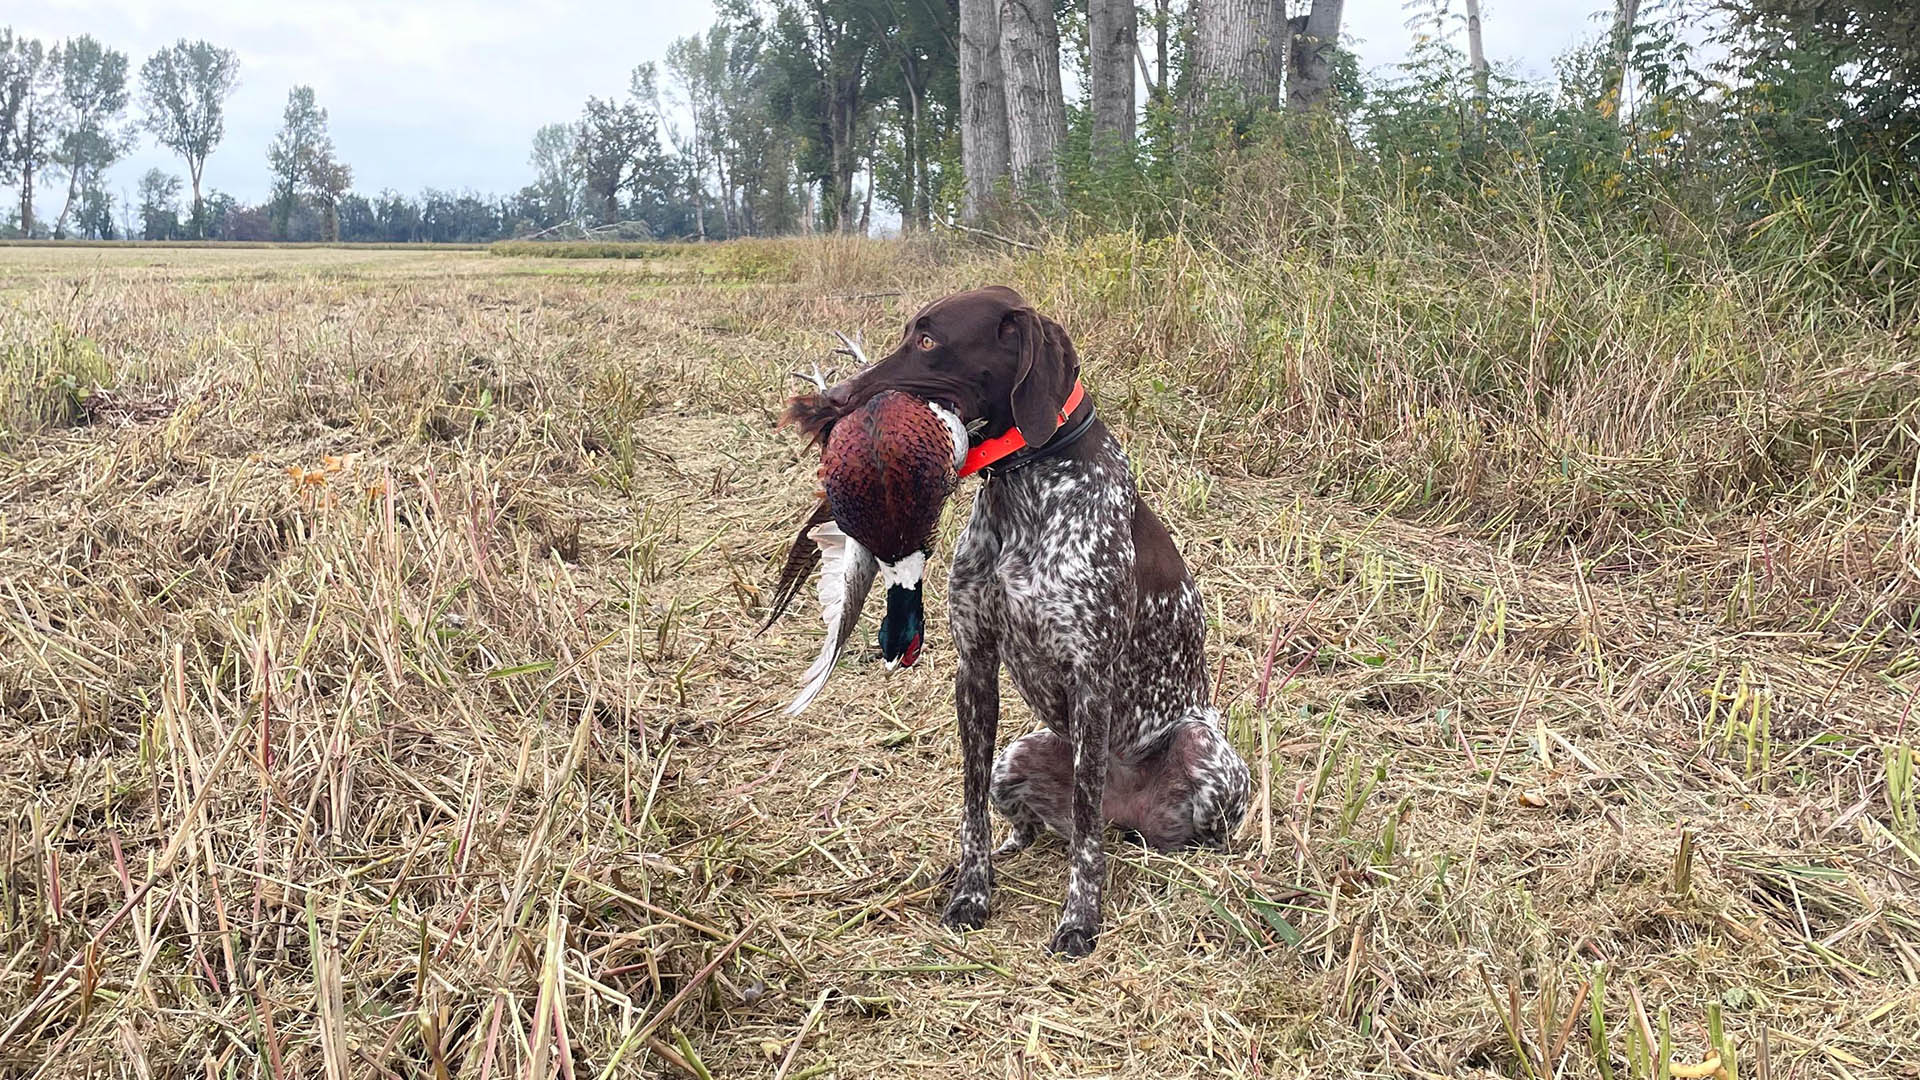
(887, 470)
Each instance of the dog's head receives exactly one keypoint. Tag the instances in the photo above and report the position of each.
(985, 353)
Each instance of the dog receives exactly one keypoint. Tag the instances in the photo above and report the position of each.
(1067, 578)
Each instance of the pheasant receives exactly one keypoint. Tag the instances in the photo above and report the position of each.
(886, 471)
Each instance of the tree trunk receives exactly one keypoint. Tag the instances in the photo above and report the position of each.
(1477, 56)
(1113, 35)
(1036, 108)
(866, 206)
(843, 162)
(1310, 59)
(1162, 15)
(27, 146)
(910, 151)
(726, 193)
(26, 200)
(193, 168)
(983, 108)
(73, 187)
(1624, 14)
(1239, 50)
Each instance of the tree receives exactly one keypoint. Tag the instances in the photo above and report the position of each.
(1159, 80)
(14, 79)
(1621, 37)
(357, 223)
(1851, 74)
(612, 137)
(918, 76)
(827, 48)
(328, 180)
(302, 161)
(762, 127)
(397, 217)
(658, 187)
(159, 206)
(1112, 43)
(698, 71)
(984, 150)
(27, 97)
(1316, 35)
(1239, 51)
(556, 186)
(287, 154)
(92, 95)
(1036, 108)
(185, 87)
(95, 219)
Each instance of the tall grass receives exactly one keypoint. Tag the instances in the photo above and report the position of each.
(46, 374)
(1496, 360)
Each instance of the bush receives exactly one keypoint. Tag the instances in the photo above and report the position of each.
(46, 376)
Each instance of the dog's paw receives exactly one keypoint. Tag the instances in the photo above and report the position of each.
(1016, 841)
(1073, 941)
(966, 911)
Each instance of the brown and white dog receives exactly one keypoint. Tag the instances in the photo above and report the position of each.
(1065, 576)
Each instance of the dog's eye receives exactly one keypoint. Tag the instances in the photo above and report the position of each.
(926, 343)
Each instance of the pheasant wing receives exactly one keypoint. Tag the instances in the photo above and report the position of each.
(802, 555)
(847, 571)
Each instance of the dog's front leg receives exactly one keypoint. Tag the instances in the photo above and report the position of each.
(1086, 851)
(977, 698)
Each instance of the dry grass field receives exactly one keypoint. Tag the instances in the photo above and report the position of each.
(378, 694)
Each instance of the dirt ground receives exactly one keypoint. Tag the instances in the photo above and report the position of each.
(379, 696)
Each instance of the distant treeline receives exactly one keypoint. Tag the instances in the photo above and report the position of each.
(827, 115)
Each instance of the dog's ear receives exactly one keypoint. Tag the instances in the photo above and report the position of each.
(1048, 366)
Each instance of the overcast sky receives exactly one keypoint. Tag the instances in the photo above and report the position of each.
(448, 93)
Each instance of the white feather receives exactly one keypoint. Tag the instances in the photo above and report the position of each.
(905, 573)
(958, 430)
(846, 576)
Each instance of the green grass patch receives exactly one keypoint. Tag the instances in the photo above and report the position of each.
(46, 374)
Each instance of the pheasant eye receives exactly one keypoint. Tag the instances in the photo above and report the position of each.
(926, 343)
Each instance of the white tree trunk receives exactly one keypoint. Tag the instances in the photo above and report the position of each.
(1113, 32)
(1239, 50)
(1477, 56)
(1624, 14)
(983, 107)
(1036, 108)
(1310, 62)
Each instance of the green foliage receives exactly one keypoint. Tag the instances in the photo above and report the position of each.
(159, 206)
(45, 378)
(1678, 172)
(1816, 76)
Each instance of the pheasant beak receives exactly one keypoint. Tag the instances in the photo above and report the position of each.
(907, 658)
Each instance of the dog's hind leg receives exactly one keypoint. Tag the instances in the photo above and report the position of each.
(1203, 786)
(1033, 788)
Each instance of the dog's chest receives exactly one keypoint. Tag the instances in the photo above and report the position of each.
(1036, 570)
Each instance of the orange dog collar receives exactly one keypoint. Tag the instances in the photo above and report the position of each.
(1012, 442)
